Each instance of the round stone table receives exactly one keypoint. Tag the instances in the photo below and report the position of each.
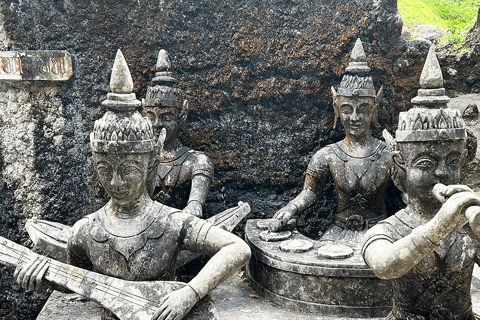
(311, 282)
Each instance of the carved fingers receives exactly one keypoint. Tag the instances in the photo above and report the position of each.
(451, 215)
(443, 192)
(281, 217)
(30, 276)
(194, 208)
(176, 304)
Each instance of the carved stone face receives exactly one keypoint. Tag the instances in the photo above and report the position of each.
(429, 163)
(122, 175)
(356, 114)
(163, 118)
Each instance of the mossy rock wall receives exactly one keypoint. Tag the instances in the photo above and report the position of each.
(257, 75)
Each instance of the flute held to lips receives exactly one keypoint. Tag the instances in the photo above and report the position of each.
(472, 213)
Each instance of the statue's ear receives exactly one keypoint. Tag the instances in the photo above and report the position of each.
(394, 152)
(378, 97)
(182, 117)
(155, 157)
(463, 157)
(335, 109)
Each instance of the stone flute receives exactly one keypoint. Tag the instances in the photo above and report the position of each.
(427, 248)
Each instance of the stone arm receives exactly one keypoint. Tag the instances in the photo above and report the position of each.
(202, 176)
(390, 260)
(314, 184)
(229, 253)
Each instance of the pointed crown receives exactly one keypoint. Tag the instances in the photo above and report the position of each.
(357, 82)
(430, 119)
(122, 129)
(163, 94)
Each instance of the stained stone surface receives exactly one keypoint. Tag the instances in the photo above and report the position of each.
(256, 74)
(51, 65)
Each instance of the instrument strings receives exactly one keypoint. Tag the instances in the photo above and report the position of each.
(56, 268)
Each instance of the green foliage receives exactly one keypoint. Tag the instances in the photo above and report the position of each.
(454, 16)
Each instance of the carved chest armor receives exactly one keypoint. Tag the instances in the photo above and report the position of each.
(361, 184)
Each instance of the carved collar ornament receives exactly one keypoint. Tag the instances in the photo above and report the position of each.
(430, 119)
(163, 94)
(122, 129)
(357, 82)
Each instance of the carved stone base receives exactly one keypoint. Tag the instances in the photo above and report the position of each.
(305, 281)
(61, 306)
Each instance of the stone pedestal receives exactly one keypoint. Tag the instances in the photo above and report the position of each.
(305, 281)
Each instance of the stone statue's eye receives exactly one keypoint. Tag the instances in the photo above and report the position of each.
(103, 170)
(425, 163)
(364, 108)
(346, 108)
(151, 115)
(454, 162)
(168, 116)
(131, 170)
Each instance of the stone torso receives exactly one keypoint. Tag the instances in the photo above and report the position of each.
(439, 286)
(149, 255)
(174, 179)
(360, 182)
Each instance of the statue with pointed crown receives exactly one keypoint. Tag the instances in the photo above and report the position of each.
(359, 164)
(133, 237)
(428, 249)
(184, 175)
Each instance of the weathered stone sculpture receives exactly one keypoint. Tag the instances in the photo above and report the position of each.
(184, 175)
(427, 248)
(329, 276)
(359, 164)
(133, 237)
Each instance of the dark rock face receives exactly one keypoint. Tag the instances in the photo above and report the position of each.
(460, 70)
(257, 75)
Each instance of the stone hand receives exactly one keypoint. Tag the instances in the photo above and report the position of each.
(283, 216)
(472, 213)
(443, 192)
(194, 208)
(451, 215)
(176, 304)
(30, 276)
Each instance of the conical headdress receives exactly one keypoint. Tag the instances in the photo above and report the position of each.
(430, 119)
(122, 129)
(357, 82)
(163, 93)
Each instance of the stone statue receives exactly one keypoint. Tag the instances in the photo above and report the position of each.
(426, 248)
(184, 175)
(133, 237)
(360, 164)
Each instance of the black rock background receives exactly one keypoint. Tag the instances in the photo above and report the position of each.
(257, 75)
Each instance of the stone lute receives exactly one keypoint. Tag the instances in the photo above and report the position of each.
(128, 300)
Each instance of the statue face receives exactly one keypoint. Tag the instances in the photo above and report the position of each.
(122, 175)
(429, 163)
(356, 114)
(163, 118)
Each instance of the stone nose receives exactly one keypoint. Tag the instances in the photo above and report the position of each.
(441, 171)
(117, 180)
(354, 115)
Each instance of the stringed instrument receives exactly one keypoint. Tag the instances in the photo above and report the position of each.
(128, 300)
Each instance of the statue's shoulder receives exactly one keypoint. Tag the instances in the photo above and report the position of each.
(84, 224)
(324, 155)
(200, 163)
